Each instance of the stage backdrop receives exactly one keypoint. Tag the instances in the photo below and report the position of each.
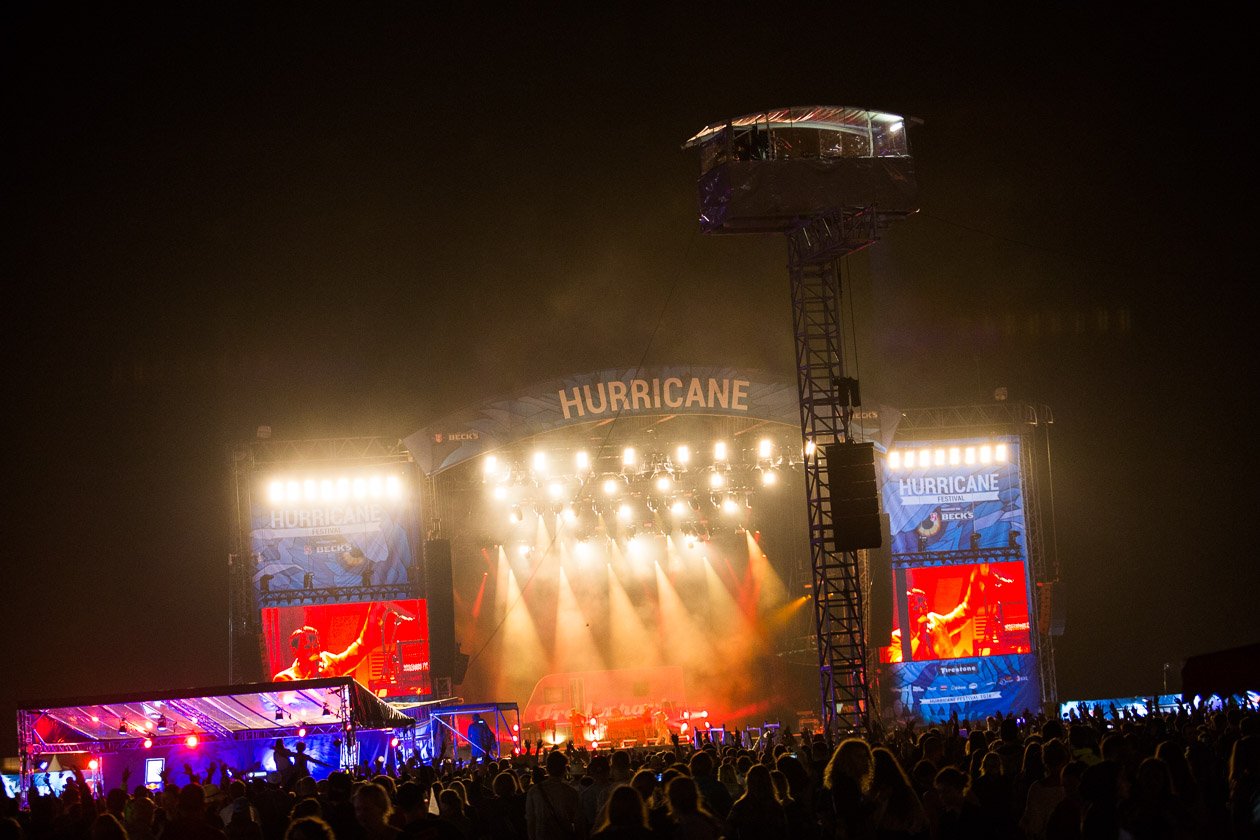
(960, 581)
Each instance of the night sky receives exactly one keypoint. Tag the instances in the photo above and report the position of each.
(352, 223)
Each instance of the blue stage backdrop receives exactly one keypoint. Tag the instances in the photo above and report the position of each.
(961, 588)
(344, 528)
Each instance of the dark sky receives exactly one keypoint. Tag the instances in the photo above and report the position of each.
(351, 223)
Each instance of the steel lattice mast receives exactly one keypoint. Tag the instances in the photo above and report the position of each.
(827, 178)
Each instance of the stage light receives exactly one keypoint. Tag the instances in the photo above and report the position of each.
(43, 765)
(499, 492)
(374, 486)
(678, 508)
(523, 551)
(729, 505)
(683, 454)
(122, 727)
(716, 480)
(161, 723)
(148, 724)
(148, 743)
(593, 722)
(556, 490)
(275, 492)
(310, 490)
(909, 460)
(611, 486)
(765, 448)
(359, 488)
(292, 492)
(897, 126)
(999, 453)
(191, 742)
(894, 459)
(925, 457)
(769, 477)
(326, 490)
(809, 448)
(955, 456)
(93, 764)
(624, 512)
(663, 483)
(516, 727)
(490, 465)
(570, 515)
(986, 454)
(343, 488)
(393, 487)
(540, 463)
(394, 742)
(629, 457)
(969, 455)
(301, 731)
(938, 457)
(325, 711)
(279, 714)
(719, 451)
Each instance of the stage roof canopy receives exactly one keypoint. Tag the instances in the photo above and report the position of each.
(827, 117)
(235, 712)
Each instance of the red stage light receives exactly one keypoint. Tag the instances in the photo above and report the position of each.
(191, 742)
(301, 731)
(516, 738)
(516, 727)
(93, 764)
(594, 722)
(394, 742)
(148, 743)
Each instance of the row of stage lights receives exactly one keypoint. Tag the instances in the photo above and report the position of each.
(335, 489)
(923, 457)
(639, 492)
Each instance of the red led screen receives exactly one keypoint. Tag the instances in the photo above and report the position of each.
(383, 644)
(967, 610)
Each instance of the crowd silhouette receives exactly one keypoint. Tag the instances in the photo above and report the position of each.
(1189, 773)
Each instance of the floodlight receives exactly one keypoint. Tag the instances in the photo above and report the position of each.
(955, 456)
(663, 483)
(769, 477)
(310, 490)
(894, 459)
(729, 505)
(628, 457)
(938, 457)
(625, 512)
(556, 489)
(999, 453)
(969, 455)
(719, 451)
(765, 448)
(499, 492)
(393, 487)
(490, 465)
(683, 455)
(716, 480)
(809, 448)
(611, 486)
(122, 727)
(275, 492)
(678, 508)
(540, 462)
(986, 454)
(909, 461)
(583, 461)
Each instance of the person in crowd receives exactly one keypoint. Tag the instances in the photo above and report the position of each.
(624, 816)
(191, 821)
(309, 828)
(898, 812)
(717, 800)
(372, 809)
(1045, 793)
(757, 814)
(848, 778)
(553, 810)
(691, 820)
(594, 795)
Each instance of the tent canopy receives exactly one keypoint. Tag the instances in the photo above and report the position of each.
(233, 712)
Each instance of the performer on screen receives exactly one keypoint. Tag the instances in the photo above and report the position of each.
(311, 661)
(980, 604)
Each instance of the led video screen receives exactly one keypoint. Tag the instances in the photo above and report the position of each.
(340, 530)
(962, 640)
(382, 644)
(976, 609)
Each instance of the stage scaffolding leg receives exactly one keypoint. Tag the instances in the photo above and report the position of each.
(826, 407)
